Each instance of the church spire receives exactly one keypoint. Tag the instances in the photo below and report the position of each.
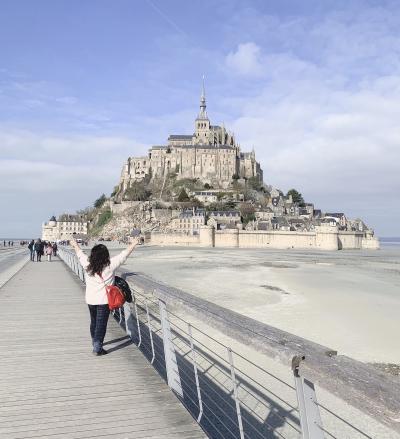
(203, 106)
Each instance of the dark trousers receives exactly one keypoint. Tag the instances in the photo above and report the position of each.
(38, 255)
(98, 324)
(32, 254)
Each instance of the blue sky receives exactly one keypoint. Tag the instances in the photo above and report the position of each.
(313, 86)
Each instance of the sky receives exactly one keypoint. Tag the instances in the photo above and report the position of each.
(313, 86)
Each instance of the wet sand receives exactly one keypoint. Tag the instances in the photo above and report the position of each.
(348, 301)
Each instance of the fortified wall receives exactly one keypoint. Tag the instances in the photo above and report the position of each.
(323, 238)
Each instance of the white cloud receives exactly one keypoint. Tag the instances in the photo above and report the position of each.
(72, 149)
(43, 164)
(50, 178)
(245, 60)
(327, 124)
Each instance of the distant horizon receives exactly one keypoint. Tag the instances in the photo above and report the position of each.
(24, 239)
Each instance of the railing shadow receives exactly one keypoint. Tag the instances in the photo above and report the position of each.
(219, 419)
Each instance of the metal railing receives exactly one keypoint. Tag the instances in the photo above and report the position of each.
(228, 394)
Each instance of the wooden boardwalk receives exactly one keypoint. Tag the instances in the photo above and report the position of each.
(51, 384)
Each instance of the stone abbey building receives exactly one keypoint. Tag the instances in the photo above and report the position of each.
(211, 154)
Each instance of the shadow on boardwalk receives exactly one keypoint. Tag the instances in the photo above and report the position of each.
(219, 419)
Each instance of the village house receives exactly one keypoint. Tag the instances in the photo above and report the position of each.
(64, 227)
(214, 195)
(189, 221)
(221, 219)
(340, 219)
(277, 205)
(280, 223)
(264, 214)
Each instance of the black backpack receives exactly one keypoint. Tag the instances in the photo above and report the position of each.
(123, 285)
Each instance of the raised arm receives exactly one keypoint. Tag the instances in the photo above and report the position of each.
(83, 259)
(132, 244)
(74, 245)
(118, 260)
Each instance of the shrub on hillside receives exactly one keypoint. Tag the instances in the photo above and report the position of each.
(137, 191)
(100, 201)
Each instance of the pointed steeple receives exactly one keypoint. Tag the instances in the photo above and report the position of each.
(203, 106)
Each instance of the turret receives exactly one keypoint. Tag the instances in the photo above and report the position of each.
(52, 221)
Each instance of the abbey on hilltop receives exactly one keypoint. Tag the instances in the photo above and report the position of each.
(211, 154)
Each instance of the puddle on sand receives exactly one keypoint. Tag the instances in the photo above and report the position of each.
(272, 288)
(278, 265)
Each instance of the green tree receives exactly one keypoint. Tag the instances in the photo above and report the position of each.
(254, 183)
(137, 191)
(229, 205)
(296, 196)
(183, 196)
(247, 213)
(104, 217)
(100, 201)
(115, 190)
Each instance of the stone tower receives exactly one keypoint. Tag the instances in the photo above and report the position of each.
(202, 122)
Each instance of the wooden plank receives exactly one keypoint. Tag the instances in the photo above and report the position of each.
(52, 385)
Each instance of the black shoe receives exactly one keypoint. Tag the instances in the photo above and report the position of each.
(101, 352)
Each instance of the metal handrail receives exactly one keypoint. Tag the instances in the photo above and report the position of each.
(155, 331)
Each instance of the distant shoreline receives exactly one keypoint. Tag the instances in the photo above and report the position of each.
(390, 240)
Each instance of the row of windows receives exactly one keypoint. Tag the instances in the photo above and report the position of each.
(188, 220)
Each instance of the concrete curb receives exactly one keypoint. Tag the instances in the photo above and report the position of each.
(12, 271)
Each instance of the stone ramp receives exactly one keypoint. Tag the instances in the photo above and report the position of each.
(51, 384)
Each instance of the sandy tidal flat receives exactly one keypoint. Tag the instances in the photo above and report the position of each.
(348, 301)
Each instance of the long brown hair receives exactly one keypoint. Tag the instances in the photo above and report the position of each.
(99, 259)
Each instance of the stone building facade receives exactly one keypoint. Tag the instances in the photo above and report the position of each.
(210, 154)
(189, 221)
(63, 229)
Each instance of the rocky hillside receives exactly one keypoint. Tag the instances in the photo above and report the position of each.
(121, 224)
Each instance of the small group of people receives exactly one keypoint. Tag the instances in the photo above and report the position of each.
(40, 248)
(10, 243)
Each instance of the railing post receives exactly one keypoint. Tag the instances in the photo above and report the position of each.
(196, 375)
(150, 334)
(127, 313)
(174, 380)
(138, 326)
(310, 418)
(235, 393)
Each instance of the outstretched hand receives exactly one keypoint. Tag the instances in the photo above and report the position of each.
(134, 241)
(73, 243)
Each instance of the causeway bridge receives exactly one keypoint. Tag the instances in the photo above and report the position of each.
(178, 367)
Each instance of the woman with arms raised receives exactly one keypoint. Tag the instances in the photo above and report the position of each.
(100, 272)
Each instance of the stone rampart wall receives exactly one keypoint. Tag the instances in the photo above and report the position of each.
(276, 239)
(350, 240)
(227, 238)
(323, 238)
(370, 243)
(180, 239)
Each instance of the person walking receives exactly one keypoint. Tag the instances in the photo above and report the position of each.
(31, 247)
(55, 248)
(100, 272)
(49, 251)
(39, 246)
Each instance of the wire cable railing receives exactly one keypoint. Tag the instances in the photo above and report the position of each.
(229, 395)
